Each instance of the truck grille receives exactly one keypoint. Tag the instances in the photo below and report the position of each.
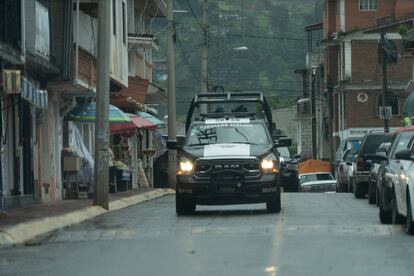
(228, 168)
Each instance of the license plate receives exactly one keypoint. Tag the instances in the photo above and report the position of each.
(227, 189)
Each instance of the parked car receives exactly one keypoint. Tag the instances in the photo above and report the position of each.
(317, 182)
(388, 174)
(342, 170)
(288, 170)
(381, 154)
(345, 144)
(403, 196)
(360, 176)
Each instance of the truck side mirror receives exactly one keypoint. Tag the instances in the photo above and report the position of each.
(283, 142)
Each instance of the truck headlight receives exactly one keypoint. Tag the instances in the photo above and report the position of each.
(186, 166)
(269, 164)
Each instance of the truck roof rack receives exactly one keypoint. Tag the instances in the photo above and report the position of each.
(228, 98)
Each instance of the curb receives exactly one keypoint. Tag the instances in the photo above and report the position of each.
(26, 231)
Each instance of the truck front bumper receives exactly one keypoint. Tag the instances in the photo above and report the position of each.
(218, 191)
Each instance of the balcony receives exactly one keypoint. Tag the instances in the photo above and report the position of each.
(145, 41)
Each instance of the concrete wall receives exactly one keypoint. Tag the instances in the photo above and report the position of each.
(285, 119)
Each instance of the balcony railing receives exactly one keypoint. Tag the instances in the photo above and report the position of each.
(146, 41)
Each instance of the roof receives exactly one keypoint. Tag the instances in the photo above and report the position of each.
(405, 129)
(221, 120)
(314, 26)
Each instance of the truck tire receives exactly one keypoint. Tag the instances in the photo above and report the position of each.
(183, 206)
(274, 206)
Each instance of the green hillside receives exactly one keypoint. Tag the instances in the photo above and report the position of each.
(272, 31)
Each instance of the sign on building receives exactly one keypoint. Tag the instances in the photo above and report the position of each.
(385, 113)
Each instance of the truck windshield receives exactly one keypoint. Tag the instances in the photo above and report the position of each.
(228, 133)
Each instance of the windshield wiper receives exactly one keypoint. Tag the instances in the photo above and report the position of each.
(242, 134)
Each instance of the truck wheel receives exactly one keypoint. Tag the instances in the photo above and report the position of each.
(409, 225)
(183, 206)
(358, 191)
(274, 206)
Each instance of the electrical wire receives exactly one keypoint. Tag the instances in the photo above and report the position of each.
(195, 17)
(186, 60)
(268, 37)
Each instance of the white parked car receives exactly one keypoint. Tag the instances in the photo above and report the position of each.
(403, 196)
(317, 182)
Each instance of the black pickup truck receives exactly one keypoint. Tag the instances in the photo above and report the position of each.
(229, 155)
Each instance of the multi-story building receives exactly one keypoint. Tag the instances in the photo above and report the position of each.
(142, 95)
(48, 52)
(351, 63)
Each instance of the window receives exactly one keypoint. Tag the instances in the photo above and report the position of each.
(392, 101)
(368, 5)
(114, 16)
(124, 31)
(402, 143)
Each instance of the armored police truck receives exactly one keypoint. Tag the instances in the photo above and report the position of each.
(229, 155)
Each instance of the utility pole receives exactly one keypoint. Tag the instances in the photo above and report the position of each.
(329, 90)
(384, 56)
(102, 106)
(204, 50)
(172, 137)
(313, 112)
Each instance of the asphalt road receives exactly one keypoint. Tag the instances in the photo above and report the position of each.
(315, 234)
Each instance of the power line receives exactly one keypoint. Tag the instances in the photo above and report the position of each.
(268, 37)
(186, 60)
(195, 17)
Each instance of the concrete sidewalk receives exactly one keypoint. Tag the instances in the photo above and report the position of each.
(26, 223)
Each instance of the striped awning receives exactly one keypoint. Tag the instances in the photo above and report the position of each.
(150, 118)
(36, 97)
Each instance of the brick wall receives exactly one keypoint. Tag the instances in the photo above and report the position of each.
(403, 8)
(356, 19)
(329, 19)
(366, 114)
(365, 66)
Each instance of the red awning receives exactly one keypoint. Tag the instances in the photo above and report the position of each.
(141, 122)
(118, 128)
(128, 128)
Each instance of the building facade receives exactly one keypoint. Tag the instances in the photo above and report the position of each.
(352, 68)
(48, 65)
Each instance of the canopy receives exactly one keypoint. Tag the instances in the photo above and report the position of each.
(153, 119)
(314, 166)
(127, 128)
(87, 113)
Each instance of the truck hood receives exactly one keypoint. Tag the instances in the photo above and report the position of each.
(227, 150)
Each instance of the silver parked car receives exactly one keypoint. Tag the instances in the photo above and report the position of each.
(342, 170)
(317, 182)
